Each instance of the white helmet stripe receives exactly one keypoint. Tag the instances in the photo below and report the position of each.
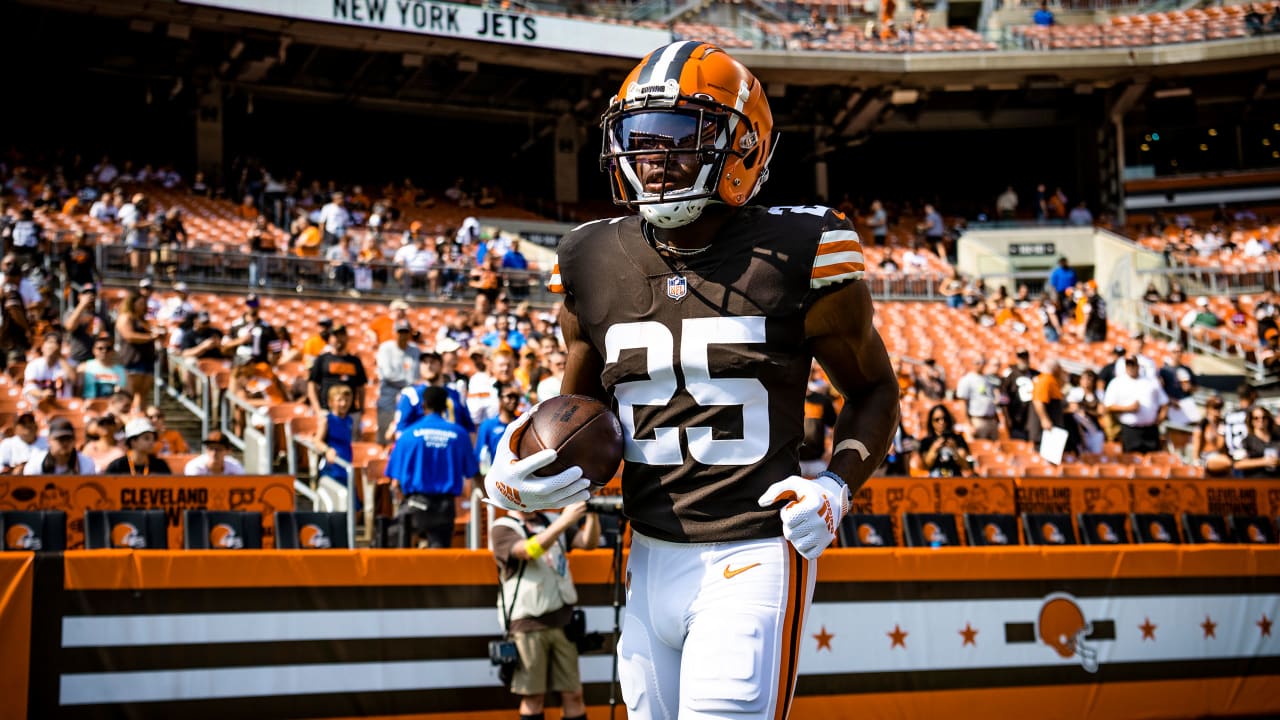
(669, 54)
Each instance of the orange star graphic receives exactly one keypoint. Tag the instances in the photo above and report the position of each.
(1209, 627)
(970, 635)
(1265, 625)
(824, 639)
(899, 637)
(1148, 630)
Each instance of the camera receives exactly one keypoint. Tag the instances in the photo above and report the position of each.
(503, 652)
(605, 505)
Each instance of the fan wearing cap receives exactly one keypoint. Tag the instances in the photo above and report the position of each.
(177, 307)
(140, 452)
(340, 366)
(397, 363)
(214, 460)
(1197, 320)
(61, 458)
(1141, 405)
(16, 449)
(409, 407)
(416, 264)
(383, 328)
(257, 383)
(317, 344)
(250, 335)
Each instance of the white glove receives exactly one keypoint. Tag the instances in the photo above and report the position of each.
(512, 485)
(810, 519)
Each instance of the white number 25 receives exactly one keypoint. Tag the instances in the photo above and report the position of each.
(696, 334)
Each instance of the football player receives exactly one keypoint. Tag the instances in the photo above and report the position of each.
(698, 321)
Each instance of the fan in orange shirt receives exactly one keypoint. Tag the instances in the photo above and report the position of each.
(168, 440)
(246, 209)
(381, 328)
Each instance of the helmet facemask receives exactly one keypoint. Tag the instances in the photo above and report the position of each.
(666, 152)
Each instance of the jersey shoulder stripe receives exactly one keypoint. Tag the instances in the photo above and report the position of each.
(838, 259)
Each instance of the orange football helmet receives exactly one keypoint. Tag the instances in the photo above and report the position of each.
(311, 536)
(1063, 627)
(868, 536)
(994, 535)
(20, 536)
(689, 125)
(223, 535)
(126, 535)
(1052, 534)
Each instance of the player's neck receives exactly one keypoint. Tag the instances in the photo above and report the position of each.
(698, 234)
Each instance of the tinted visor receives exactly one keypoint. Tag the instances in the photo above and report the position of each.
(663, 130)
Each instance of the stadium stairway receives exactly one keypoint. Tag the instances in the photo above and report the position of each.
(181, 419)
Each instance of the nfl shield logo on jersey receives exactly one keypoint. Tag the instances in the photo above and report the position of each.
(677, 287)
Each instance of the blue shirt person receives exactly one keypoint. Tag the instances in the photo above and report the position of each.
(1062, 277)
(431, 462)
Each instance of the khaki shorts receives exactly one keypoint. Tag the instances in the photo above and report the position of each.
(548, 661)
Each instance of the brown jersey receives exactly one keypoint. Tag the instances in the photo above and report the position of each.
(705, 358)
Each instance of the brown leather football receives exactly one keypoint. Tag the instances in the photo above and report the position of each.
(583, 433)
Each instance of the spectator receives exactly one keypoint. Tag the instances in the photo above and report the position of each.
(530, 548)
(398, 366)
(318, 343)
(79, 265)
(1197, 319)
(341, 260)
(1048, 404)
(933, 230)
(1095, 315)
(168, 440)
(1255, 21)
(1080, 215)
(409, 408)
(504, 336)
(138, 348)
(339, 367)
(491, 430)
(1141, 406)
(1062, 277)
(486, 278)
(15, 330)
(138, 229)
(258, 385)
(171, 239)
(18, 448)
(878, 221)
(549, 386)
(1016, 390)
(104, 209)
(177, 307)
(416, 264)
(1261, 447)
(931, 381)
(1209, 440)
(203, 340)
(140, 452)
(103, 375)
(429, 465)
(336, 430)
(897, 463)
(943, 451)
(1152, 295)
(23, 238)
(1238, 420)
(214, 460)
(1007, 204)
(1176, 295)
(979, 391)
(1084, 406)
(482, 389)
(85, 325)
(953, 289)
(334, 219)
(61, 458)
(49, 377)
(1047, 311)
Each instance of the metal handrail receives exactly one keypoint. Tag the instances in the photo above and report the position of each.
(203, 410)
(313, 455)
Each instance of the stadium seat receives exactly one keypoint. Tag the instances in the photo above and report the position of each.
(221, 530)
(1048, 529)
(311, 530)
(867, 530)
(1154, 528)
(930, 529)
(134, 529)
(44, 530)
(1254, 529)
(1104, 528)
(1200, 528)
(986, 529)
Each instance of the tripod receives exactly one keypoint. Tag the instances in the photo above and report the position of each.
(618, 590)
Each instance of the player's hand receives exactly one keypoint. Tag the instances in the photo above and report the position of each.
(512, 485)
(813, 511)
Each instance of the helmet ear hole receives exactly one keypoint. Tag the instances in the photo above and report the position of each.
(749, 161)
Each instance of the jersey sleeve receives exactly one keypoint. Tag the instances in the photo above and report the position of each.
(838, 258)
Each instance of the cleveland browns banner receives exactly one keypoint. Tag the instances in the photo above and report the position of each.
(171, 493)
(1103, 495)
(15, 630)
(1076, 632)
(895, 496)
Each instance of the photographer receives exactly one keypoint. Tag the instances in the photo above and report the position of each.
(538, 592)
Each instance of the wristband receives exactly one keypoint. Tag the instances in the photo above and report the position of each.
(846, 497)
(838, 480)
(534, 548)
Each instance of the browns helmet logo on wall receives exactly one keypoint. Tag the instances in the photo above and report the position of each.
(311, 536)
(867, 535)
(933, 534)
(1063, 626)
(126, 535)
(1208, 534)
(21, 537)
(1106, 533)
(223, 535)
(1052, 534)
(994, 535)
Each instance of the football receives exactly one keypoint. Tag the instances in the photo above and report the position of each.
(583, 433)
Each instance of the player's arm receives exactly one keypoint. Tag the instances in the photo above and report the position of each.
(839, 330)
(583, 363)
